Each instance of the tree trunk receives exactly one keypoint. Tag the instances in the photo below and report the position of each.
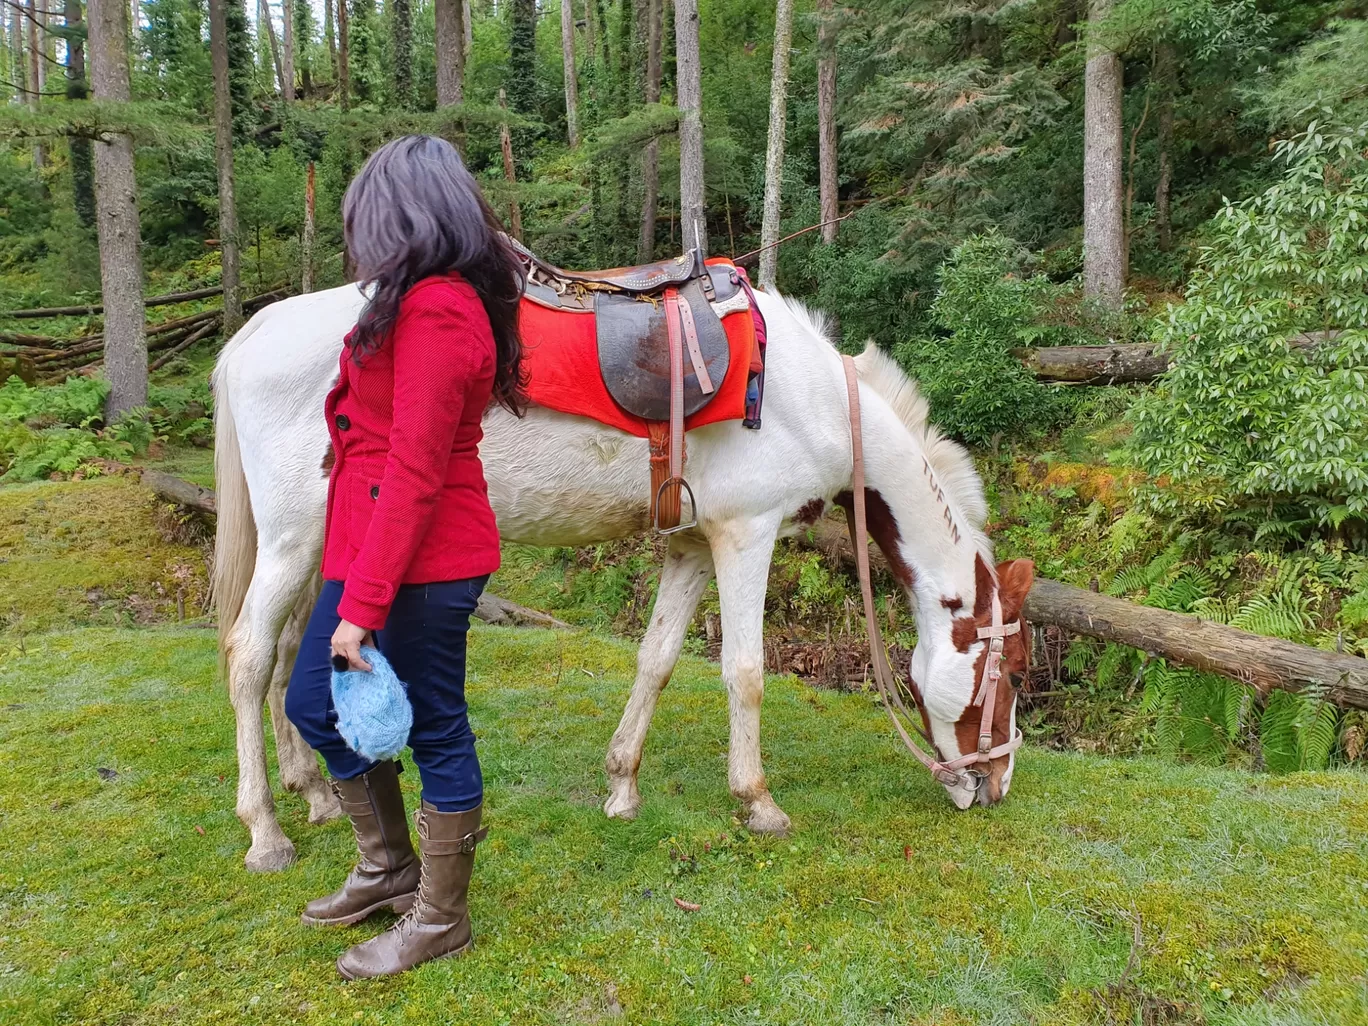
(287, 53)
(689, 98)
(829, 181)
(450, 54)
(467, 28)
(568, 61)
(116, 204)
(306, 249)
(1165, 72)
(35, 75)
(510, 174)
(264, 20)
(401, 59)
(82, 167)
(522, 72)
(650, 160)
(774, 152)
(343, 57)
(1103, 215)
(330, 37)
(229, 249)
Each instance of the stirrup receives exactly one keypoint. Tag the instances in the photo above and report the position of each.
(679, 482)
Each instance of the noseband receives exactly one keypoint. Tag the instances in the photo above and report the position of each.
(964, 770)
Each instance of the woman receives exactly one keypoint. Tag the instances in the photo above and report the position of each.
(410, 538)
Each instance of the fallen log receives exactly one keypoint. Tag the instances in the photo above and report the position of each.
(1094, 365)
(207, 329)
(1264, 663)
(492, 609)
(1119, 364)
(500, 611)
(94, 308)
(182, 492)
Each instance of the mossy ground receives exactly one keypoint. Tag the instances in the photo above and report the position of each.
(98, 551)
(123, 898)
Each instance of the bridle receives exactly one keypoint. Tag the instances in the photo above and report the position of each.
(953, 772)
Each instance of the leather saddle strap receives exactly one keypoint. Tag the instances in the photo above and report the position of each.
(700, 369)
(672, 319)
(878, 655)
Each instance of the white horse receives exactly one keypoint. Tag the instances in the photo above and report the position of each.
(561, 480)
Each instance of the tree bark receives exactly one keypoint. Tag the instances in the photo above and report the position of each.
(1263, 662)
(1103, 215)
(510, 174)
(693, 219)
(401, 59)
(774, 152)
(1164, 72)
(1119, 364)
(82, 166)
(650, 159)
(467, 28)
(229, 250)
(287, 52)
(264, 20)
(450, 54)
(330, 37)
(116, 204)
(306, 253)
(343, 57)
(828, 179)
(35, 75)
(568, 62)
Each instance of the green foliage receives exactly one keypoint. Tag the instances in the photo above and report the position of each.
(1326, 73)
(1242, 409)
(986, 307)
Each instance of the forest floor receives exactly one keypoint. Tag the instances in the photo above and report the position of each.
(1102, 890)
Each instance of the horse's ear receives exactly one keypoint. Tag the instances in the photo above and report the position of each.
(983, 587)
(1015, 578)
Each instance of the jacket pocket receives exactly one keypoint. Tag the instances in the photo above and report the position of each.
(363, 494)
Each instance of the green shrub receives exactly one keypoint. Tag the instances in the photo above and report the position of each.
(1242, 409)
(986, 308)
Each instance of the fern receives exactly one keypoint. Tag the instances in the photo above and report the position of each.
(1298, 732)
(1278, 615)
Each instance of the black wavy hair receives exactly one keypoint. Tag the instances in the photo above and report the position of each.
(414, 211)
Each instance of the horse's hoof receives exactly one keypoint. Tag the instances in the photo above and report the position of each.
(272, 860)
(324, 809)
(768, 818)
(624, 806)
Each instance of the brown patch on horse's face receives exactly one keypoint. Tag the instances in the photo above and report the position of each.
(810, 512)
(883, 528)
(1014, 581)
(329, 458)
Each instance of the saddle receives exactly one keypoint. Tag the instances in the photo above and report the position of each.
(662, 349)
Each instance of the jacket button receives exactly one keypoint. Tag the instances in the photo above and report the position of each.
(342, 421)
(375, 491)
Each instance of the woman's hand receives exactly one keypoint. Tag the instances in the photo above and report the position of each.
(347, 641)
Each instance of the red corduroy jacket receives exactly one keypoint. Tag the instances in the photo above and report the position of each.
(407, 500)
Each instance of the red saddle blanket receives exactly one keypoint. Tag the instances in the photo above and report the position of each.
(560, 354)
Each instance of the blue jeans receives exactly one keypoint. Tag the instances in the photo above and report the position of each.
(425, 641)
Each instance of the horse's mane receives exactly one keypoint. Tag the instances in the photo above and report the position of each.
(953, 467)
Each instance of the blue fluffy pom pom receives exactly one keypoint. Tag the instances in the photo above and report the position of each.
(373, 712)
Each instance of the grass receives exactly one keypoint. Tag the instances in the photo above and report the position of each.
(123, 899)
(91, 552)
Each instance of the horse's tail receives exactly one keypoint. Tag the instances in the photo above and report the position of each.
(235, 539)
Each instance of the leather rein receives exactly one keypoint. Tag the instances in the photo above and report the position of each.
(950, 772)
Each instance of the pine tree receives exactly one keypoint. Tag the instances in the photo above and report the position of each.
(223, 155)
(774, 154)
(689, 88)
(77, 88)
(1104, 258)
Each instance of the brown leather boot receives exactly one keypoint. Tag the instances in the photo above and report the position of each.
(387, 872)
(438, 925)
